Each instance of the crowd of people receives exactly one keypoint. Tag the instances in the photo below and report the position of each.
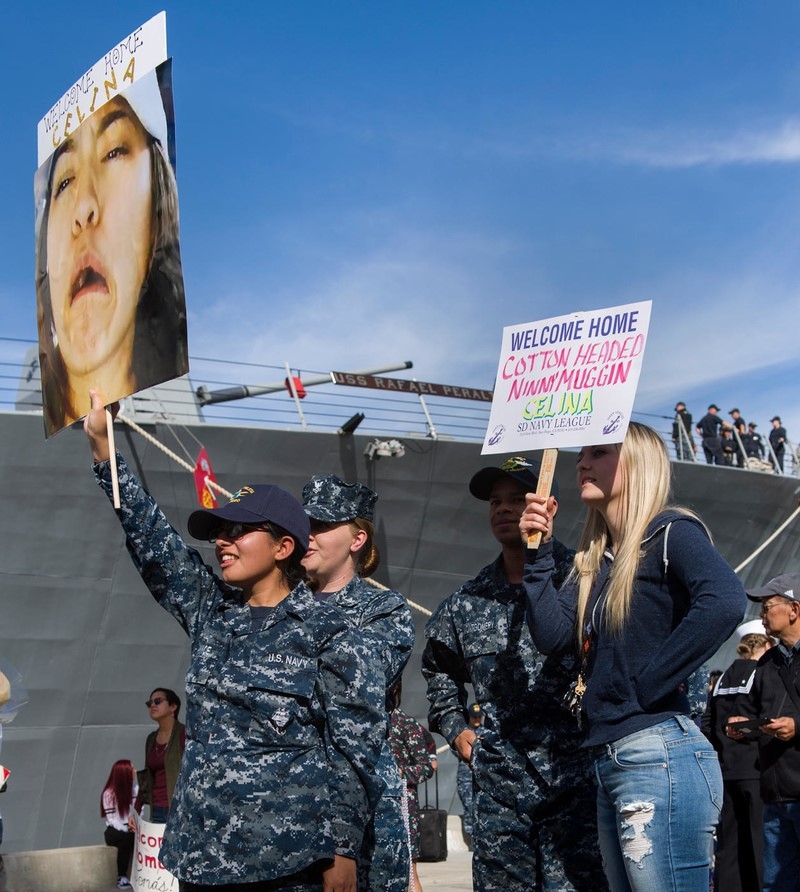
(732, 443)
(581, 764)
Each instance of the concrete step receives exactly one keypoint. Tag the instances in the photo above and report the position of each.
(453, 875)
(94, 868)
(456, 841)
(76, 869)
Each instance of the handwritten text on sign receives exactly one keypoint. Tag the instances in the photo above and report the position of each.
(568, 381)
(148, 871)
(140, 52)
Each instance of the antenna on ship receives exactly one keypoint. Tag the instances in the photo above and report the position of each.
(206, 396)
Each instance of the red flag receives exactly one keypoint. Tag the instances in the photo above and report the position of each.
(298, 386)
(202, 474)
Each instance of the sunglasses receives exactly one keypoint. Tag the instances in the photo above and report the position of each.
(765, 608)
(233, 531)
(155, 701)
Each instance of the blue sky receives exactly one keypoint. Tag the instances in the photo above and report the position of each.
(364, 183)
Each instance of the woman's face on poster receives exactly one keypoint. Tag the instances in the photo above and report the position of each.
(98, 237)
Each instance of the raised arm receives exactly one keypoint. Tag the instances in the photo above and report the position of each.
(174, 573)
(550, 614)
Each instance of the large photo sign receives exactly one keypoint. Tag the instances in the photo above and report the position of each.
(110, 300)
(568, 381)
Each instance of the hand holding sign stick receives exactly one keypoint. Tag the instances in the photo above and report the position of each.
(99, 427)
(546, 475)
(569, 381)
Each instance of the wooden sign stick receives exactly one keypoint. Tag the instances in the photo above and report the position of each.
(546, 474)
(112, 457)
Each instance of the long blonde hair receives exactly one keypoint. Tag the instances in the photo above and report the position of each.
(645, 491)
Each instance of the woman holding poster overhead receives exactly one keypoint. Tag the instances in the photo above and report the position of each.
(110, 300)
(648, 601)
(285, 712)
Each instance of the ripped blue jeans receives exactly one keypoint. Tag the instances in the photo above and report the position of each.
(658, 801)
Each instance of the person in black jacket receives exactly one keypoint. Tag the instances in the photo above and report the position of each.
(738, 431)
(753, 444)
(773, 705)
(728, 447)
(777, 439)
(708, 428)
(738, 864)
(683, 442)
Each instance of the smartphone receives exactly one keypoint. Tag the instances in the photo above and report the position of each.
(751, 725)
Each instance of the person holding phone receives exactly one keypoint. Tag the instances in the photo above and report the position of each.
(739, 858)
(773, 704)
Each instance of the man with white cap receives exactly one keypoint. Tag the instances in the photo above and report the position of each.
(773, 707)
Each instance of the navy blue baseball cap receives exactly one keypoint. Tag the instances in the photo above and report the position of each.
(331, 500)
(260, 503)
(523, 470)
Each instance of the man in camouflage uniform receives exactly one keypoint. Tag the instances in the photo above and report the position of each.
(384, 625)
(534, 815)
(285, 714)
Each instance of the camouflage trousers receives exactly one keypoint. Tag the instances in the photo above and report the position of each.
(385, 862)
(530, 838)
(464, 787)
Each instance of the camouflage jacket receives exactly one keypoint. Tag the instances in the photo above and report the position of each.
(284, 724)
(385, 626)
(384, 619)
(479, 636)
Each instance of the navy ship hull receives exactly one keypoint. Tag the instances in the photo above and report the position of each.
(91, 644)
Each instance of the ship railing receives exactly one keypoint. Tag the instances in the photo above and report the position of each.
(385, 415)
(326, 407)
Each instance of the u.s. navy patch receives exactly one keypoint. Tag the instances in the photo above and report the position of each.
(280, 719)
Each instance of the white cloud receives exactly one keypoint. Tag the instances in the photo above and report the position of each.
(768, 144)
(425, 297)
(441, 299)
(675, 147)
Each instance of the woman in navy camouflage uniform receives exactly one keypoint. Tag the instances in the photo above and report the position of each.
(341, 551)
(285, 718)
